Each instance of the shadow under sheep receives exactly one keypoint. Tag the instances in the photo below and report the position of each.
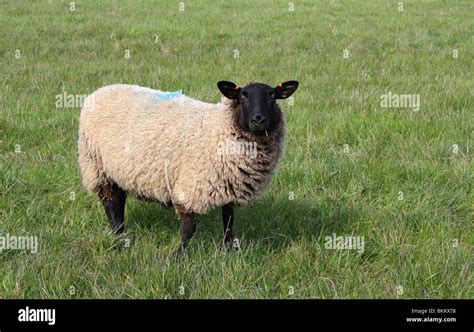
(273, 223)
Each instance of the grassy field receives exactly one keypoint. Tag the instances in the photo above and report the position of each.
(400, 179)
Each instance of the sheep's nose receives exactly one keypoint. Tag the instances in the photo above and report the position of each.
(258, 119)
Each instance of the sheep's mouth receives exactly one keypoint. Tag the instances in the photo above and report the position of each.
(258, 130)
(261, 132)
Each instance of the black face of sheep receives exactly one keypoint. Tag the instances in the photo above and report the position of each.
(257, 103)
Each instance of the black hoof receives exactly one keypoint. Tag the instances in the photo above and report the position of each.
(119, 230)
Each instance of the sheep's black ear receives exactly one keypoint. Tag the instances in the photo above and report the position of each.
(229, 89)
(284, 90)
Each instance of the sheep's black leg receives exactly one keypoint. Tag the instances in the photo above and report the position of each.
(228, 219)
(113, 199)
(188, 226)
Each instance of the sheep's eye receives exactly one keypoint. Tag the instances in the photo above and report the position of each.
(245, 94)
(271, 93)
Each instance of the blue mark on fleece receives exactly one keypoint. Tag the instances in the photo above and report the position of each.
(167, 95)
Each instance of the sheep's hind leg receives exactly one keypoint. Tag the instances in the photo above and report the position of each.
(228, 220)
(113, 199)
(188, 227)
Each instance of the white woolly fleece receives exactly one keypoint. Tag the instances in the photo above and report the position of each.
(168, 147)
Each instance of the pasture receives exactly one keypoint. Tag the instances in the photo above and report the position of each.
(397, 176)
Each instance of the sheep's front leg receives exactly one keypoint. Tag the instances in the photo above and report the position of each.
(188, 227)
(228, 219)
(113, 199)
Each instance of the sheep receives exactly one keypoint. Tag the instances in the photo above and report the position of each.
(167, 147)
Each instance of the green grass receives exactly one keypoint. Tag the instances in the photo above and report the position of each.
(408, 242)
